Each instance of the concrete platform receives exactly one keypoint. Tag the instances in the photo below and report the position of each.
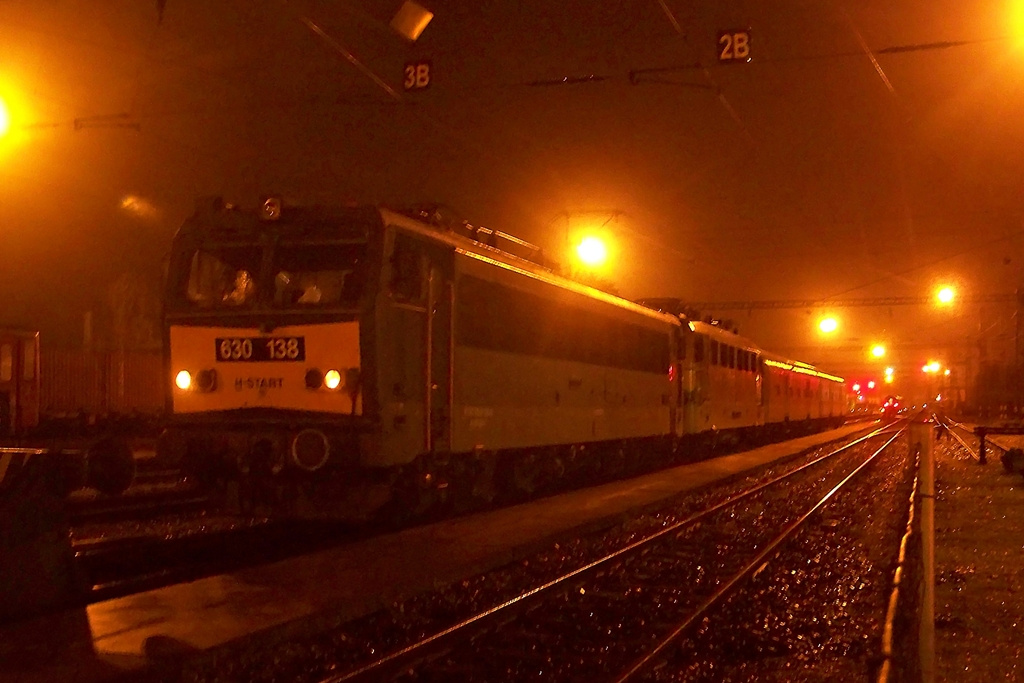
(121, 639)
(979, 566)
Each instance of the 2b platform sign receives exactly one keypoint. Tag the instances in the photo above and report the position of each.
(734, 45)
(417, 75)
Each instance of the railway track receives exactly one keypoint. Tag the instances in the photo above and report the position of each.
(138, 508)
(155, 493)
(115, 567)
(964, 435)
(645, 597)
(141, 541)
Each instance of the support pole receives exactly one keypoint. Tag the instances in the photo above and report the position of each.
(921, 440)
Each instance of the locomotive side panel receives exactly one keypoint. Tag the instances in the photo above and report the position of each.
(537, 364)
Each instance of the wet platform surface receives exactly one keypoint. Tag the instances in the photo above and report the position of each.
(123, 638)
(979, 566)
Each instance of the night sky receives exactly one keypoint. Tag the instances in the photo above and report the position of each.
(804, 174)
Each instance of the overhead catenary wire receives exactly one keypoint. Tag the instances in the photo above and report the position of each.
(650, 75)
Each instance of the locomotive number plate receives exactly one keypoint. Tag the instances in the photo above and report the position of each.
(260, 349)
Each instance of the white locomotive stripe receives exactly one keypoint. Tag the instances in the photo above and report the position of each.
(5, 461)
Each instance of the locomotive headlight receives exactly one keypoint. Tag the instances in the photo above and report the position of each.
(332, 379)
(183, 380)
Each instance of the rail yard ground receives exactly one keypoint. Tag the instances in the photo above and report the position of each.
(979, 562)
(979, 596)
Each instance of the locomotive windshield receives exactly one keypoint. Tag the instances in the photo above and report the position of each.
(318, 275)
(223, 277)
(306, 275)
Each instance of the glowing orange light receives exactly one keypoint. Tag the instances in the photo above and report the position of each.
(1016, 22)
(828, 325)
(591, 251)
(878, 350)
(138, 206)
(945, 295)
(5, 119)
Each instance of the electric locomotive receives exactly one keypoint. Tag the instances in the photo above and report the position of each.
(326, 360)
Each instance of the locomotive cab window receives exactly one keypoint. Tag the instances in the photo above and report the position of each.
(714, 352)
(318, 274)
(407, 271)
(223, 277)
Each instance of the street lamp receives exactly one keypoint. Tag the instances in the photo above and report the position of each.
(878, 350)
(5, 119)
(945, 295)
(828, 325)
(592, 251)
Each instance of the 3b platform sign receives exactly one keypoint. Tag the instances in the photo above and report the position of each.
(734, 45)
(417, 75)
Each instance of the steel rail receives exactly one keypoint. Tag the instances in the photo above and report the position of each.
(749, 569)
(402, 657)
(889, 628)
(967, 447)
(138, 508)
